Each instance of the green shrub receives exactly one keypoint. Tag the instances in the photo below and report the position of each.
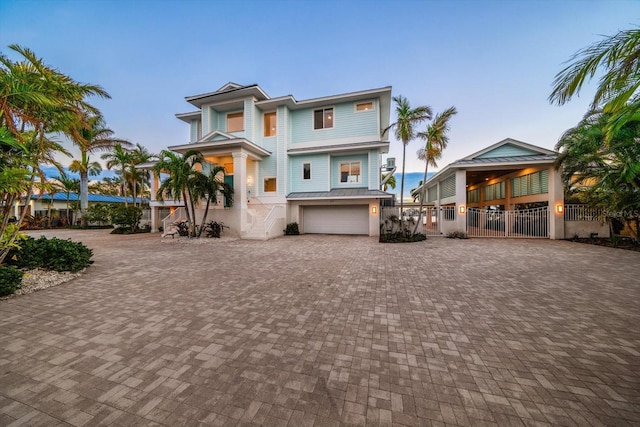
(10, 280)
(99, 213)
(127, 217)
(51, 254)
(457, 235)
(400, 237)
(292, 229)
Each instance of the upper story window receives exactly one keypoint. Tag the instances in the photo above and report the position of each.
(306, 171)
(270, 124)
(364, 106)
(235, 122)
(350, 172)
(323, 118)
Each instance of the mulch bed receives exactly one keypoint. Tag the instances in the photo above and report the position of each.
(622, 244)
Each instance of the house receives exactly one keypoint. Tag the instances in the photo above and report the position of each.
(56, 204)
(315, 162)
(509, 189)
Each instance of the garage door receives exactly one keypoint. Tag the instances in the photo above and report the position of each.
(336, 219)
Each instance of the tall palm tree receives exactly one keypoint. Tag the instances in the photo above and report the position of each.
(120, 158)
(139, 177)
(180, 169)
(67, 185)
(407, 119)
(618, 59)
(436, 140)
(90, 135)
(207, 187)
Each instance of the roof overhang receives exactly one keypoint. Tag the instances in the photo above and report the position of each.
(293, 104)
(341, 148)
(340, 194)
(187, 117)
(225, 145)
(232, 93)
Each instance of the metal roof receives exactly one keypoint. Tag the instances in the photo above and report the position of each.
(95, 198)
(340, 193)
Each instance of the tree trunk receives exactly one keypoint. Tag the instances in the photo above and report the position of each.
(204, 217)
(84, 196)
(5, 251)
(404, 155)
(423, 193)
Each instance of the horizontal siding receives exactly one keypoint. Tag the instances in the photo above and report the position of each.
(507, 150)
(268, 167)
(319, 173)
(346, 123)
(364, 171)
(194, 130)
(448, 187)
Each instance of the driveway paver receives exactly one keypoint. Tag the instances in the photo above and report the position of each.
(327, 331)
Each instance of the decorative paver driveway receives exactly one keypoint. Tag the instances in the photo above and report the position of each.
(328, 330)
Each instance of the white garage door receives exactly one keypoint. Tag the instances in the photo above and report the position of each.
(336, 219)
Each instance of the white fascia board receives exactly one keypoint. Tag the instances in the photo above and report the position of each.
(511, 141)
(337, 148)
(187, 117)
(291, 102)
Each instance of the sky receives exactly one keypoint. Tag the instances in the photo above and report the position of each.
(495, 61)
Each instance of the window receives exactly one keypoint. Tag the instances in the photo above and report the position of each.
(494, 191)
(364, 106)
(350, 172)
(533, 183)
(323, 118)
(270, 124)
(235, 122)
(306, 171)
(269, 185)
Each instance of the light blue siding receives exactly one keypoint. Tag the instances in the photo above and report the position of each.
(364, 171)
(194, 130)
(374, 170)
(507, 150)
(213, 120)
(319, 173)
(347, 123)
(248, 119)
(268, 167)
(205, 121)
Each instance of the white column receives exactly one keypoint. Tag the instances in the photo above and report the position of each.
(556, 198)
(461, 199)
(240, 189)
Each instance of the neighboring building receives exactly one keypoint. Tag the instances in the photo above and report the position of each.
(315, 162)
(56, 204)
(510, 189)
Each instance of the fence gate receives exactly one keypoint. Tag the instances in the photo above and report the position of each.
(525, 223)
(430, 222)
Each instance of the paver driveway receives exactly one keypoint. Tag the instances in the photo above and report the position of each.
(328, 330)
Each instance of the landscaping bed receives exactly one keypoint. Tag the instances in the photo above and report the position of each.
(624, 243)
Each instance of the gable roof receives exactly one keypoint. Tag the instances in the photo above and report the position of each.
(509, 147)
(227, 92)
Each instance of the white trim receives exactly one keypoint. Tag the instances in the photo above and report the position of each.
(511, 141)
(373, 106)
(313, 118)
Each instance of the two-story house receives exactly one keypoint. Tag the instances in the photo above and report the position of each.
(315, 162)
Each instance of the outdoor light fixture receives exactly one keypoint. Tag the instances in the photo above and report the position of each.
(559, 208)
(374, 210)
(249, 180)
(462, 209)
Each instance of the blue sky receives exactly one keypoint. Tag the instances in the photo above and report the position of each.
(494, 60)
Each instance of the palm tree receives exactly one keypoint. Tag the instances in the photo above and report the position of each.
(391, 182)
(207, 187)
(618, 58)
(405, 130)
(436, 141)
(603, 172)
(90, 135)
(181, 170)
(119, 158)
(139, 177)
(67, 185)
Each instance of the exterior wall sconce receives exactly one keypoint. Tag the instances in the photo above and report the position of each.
(462, 209)
(249, 180)
(374, 210)
(559, 208)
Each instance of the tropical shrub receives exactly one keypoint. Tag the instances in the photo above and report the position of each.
(126, 217)
(457, 235)
(99, 213)
(292, 229)
(10, 280)
(402, 237)
(50, 254)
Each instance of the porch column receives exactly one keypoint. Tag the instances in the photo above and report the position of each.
(461, 199)
(153, 188)
(556, 198)
(240, 188)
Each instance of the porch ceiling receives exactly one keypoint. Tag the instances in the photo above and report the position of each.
(477, 176)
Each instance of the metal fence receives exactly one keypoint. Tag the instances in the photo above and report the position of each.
(525, 223)
(430, 221)
(583, 213)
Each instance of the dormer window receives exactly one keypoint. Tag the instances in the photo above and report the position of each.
(323, 118)
(235, 122)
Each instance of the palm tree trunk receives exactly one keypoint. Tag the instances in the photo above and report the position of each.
(4, 252)
(204, 217)
(84, 196)
(404, 155)
(423, 192)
